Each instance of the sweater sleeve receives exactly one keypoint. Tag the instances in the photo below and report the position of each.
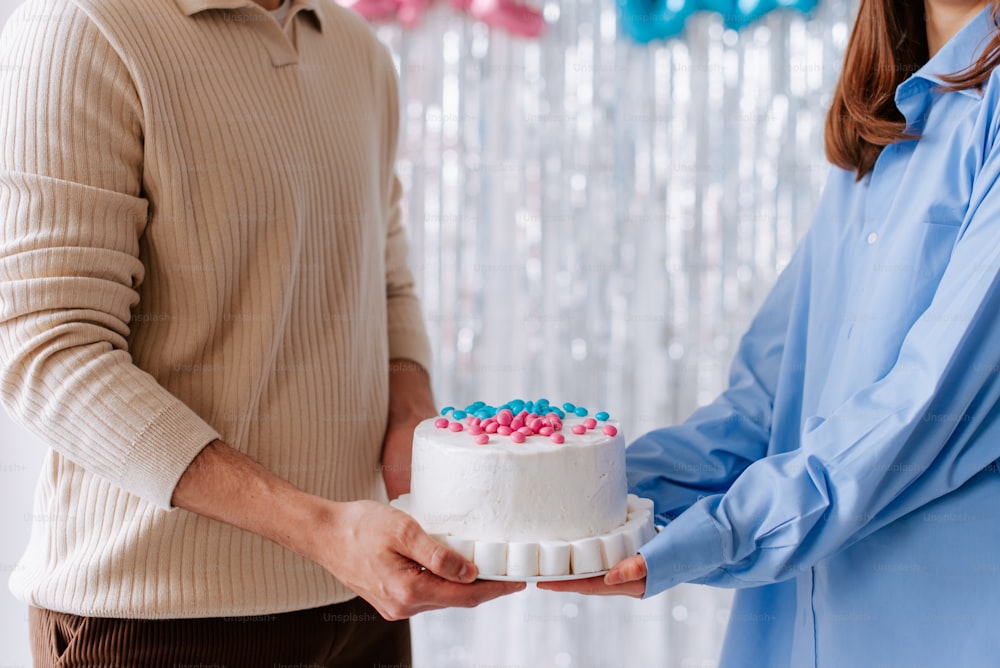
(72, 216)
(407, 334)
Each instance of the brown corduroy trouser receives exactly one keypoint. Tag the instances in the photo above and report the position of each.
(344, 635)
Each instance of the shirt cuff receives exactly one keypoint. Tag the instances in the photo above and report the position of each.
(162, 453)
(686, 549)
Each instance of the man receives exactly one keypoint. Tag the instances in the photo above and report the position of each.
(203, 281)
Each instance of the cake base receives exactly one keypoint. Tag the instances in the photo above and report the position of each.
(553, 560)
(543, 578)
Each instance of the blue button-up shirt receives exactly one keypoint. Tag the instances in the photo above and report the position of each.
(845, 480)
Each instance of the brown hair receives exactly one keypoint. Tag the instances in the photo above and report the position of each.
(887, 45)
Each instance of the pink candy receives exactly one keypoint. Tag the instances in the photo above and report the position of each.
(519, 426)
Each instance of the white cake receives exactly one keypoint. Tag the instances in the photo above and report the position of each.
(538, 491)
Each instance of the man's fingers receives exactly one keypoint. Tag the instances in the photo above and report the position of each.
(417, 590)
(435, 557)
(444, 594)
(627, 570)
(425, 591)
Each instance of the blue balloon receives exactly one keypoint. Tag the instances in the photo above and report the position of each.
(648, 20)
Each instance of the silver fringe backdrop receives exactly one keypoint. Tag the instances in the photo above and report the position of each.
(596, 221)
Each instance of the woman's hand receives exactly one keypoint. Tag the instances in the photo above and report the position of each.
(626, 578)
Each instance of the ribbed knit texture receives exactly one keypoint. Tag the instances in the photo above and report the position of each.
(201, 239)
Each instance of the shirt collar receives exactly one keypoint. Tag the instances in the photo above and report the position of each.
(192, 7)
(961, 50)
(914, 95)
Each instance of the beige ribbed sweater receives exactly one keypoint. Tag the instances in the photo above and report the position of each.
(201, 239)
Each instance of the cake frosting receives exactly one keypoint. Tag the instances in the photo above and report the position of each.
(527, 488)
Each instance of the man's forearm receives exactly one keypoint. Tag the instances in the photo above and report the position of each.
(226, 485)
(379, 552)
(410, 401)
(410, 396)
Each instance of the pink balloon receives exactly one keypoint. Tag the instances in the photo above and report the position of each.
(373, 10)
(410, 11)
(509, 15)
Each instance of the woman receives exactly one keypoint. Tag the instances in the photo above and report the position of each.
(845, 481)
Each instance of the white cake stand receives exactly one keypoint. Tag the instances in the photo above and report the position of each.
(555, 560)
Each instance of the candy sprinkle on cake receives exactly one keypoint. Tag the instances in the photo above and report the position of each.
(519, 420)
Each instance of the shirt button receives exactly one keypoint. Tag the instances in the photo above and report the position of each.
(872, 238)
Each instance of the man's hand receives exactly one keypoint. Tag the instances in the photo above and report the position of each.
(379, 552)
(382, 554)
(410, 401)
(626, 578)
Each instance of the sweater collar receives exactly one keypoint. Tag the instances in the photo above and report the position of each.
(192, 7)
